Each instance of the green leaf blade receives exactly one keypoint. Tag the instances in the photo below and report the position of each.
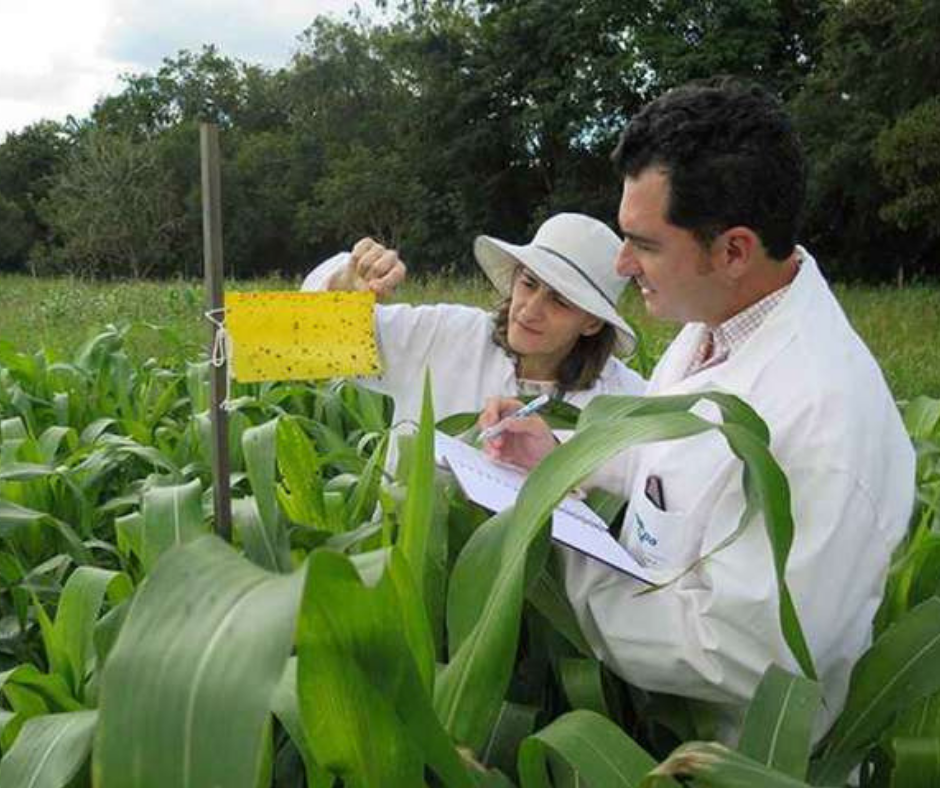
(204, 646)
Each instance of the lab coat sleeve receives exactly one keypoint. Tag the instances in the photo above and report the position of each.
(711, 634)
(317, 279)
(626, 381)
(409, 338)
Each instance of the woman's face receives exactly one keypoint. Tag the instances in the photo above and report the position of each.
(544, 326)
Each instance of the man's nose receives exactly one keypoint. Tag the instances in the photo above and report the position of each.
(626, 264)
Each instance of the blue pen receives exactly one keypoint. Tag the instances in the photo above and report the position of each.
(526, 410)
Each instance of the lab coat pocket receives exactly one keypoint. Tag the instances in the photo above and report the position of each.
(656, 538)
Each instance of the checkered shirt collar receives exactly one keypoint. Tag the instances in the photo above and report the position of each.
(727, 338)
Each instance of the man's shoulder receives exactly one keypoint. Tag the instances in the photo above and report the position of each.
(617, 378)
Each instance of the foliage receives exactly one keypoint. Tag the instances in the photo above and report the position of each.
(114, 208)
(15, 235)
(871, 91)
(776, 43)
(448, 119)
(908, 157)
(109, 581)
(29, 160)
(57, 314)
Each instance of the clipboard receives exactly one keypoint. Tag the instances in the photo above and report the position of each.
(495, 486)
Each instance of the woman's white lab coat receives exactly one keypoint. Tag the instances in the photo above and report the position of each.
(455, 343)
(837, 434)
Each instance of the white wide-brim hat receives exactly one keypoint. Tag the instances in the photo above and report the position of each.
(574, 255)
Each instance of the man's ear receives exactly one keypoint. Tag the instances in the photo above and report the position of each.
(738, 248)
(592, 326)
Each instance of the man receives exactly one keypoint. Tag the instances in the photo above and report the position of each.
(713, 186)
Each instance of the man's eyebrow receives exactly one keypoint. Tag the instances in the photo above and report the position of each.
(643, 239)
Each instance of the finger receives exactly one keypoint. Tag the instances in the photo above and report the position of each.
(366, 265)
(383, 265)
(490, 413)
(386, 283)
(527, 427)
(362, 246)
(385, 262)
(496, 448)
(497, 408)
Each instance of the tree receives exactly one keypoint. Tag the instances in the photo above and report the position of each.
(357, 93)
(879, 63)
(112, 210)
(28, 161)
(267, 177)
(203, 86)
(15, 235)
(774, 42)
(908, 159)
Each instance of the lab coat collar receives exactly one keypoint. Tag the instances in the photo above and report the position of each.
(744, 367)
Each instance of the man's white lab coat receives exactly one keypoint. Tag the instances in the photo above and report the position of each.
(837, 434)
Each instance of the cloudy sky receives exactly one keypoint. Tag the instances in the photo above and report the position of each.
(58, 56)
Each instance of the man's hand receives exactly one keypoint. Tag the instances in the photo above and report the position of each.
(523, 442)
(371, 267)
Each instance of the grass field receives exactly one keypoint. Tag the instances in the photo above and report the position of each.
(901, 326)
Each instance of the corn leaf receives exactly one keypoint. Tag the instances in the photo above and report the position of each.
(917, 763)
(15, 519)
(419, 504)
(51, 440)
(594, 747)
(515, 722)
(129, 529)
(286, 708)
(548, 596)
(259, 445)
(583, 682)
(204, 646)
(712, 764)
(25, 471)
(922, 417)
(268, 548)
(470, 689)
(898, 670)
(171, 516)
(49, 751)
(107, 629)
(778, 726)
(365, 494)
(79, 605)
(49, 687)
(365, 706)
(921, 719)
(301, 493)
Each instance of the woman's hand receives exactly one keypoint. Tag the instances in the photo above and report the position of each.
(371, 267)
(523, 442)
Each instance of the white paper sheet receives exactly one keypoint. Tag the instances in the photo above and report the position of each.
(495, 486)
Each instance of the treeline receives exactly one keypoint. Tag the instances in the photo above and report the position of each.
(459, 117)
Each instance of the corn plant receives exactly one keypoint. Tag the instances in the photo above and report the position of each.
(374, 634)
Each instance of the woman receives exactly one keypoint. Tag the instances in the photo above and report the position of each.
(555, 330)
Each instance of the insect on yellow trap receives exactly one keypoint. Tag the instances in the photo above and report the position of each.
(301, 336)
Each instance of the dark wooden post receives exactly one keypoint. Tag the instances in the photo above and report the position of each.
(215, 299)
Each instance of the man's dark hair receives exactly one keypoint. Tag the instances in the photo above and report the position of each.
(732, 157)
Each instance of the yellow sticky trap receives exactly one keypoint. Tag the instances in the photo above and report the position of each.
(301, 336)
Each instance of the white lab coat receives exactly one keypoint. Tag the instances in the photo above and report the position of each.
(837, 434)
(455, 343)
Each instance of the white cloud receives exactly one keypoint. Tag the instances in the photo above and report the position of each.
(57, 57)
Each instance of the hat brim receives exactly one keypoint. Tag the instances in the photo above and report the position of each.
(499, 260)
